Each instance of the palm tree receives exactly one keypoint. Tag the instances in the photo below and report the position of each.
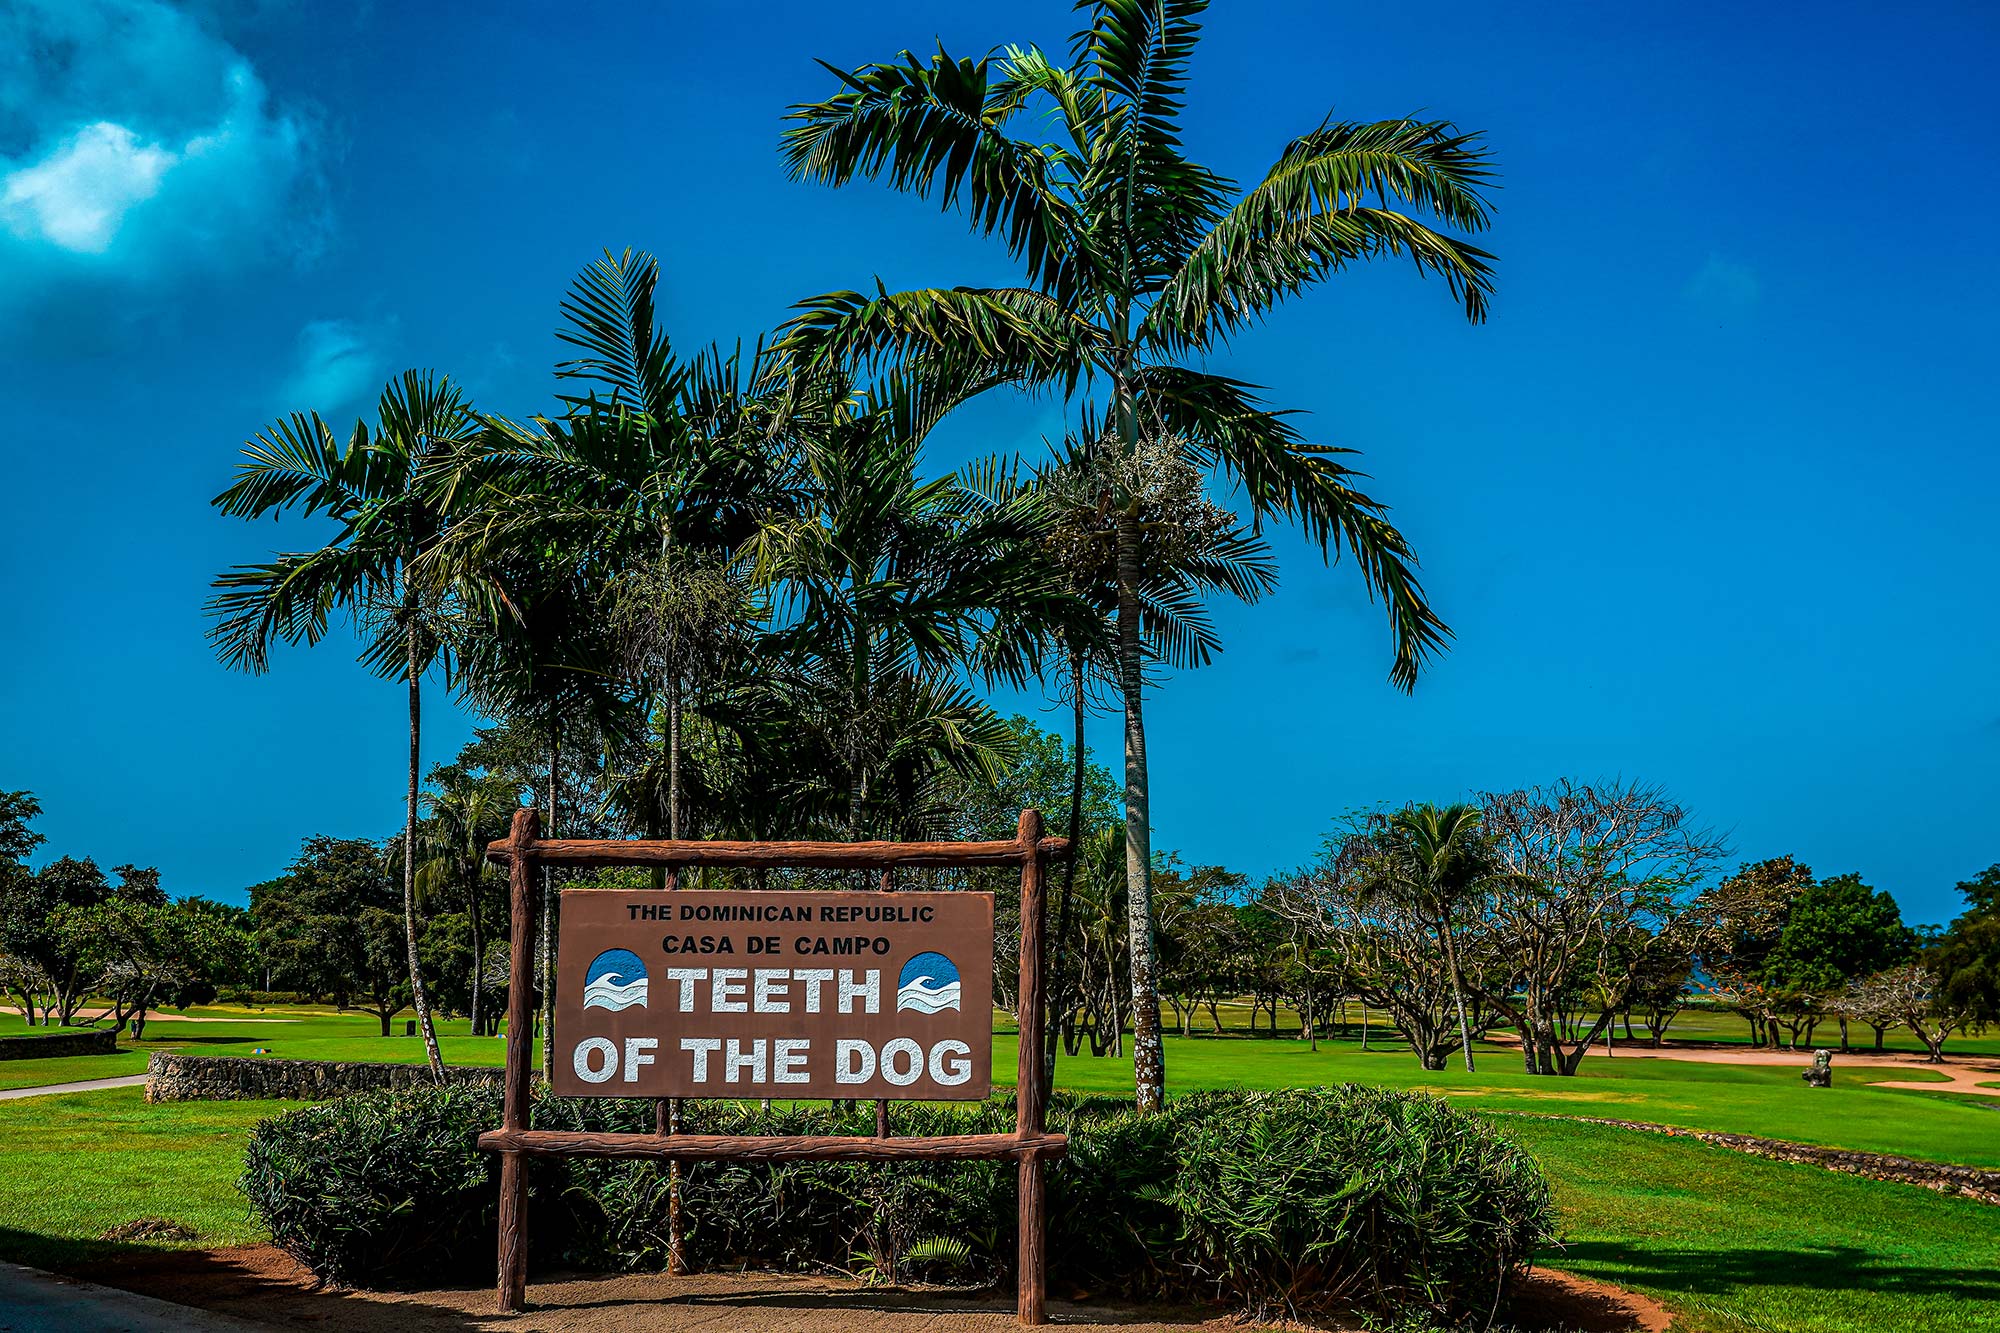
(467, 813)
(1441, 856)
(389, 521)
(1138, 260)
(889, 586)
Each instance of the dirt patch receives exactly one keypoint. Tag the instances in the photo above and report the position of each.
(262, 1284)
(1550, 1299)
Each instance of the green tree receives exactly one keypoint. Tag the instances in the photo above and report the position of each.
(1837, 932)
(1139, 262)
(465, 813)
(329, 926)
(390, 516)
(1966, 958)
(1440, 852)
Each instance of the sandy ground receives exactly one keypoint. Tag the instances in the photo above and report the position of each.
(263, 1285)
(1963, 1073)
(155, 1016)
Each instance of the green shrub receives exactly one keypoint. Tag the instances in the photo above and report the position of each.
(1390, 1200)
(380, 1186)
(1385, 1200)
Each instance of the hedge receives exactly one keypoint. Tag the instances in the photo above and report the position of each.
(1333, 1198)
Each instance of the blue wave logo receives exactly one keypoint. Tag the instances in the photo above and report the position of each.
(616, 980)
(929, 982)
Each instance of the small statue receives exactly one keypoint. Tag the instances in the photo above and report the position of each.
(1821, 1073)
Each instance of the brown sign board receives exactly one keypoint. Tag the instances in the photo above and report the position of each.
(747, 993)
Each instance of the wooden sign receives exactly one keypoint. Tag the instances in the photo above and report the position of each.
(880, 996)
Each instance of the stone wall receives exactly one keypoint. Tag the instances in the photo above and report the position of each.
(63, 1041)
(223, 1078)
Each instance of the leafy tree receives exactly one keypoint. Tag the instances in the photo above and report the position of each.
(1836, 932)
(465, 814)
(390, 516)
(22, 908)
(329, 926)
(141, 952)
(1444, 858)
(1579, 866)
(1139, 262)
(1967, 957)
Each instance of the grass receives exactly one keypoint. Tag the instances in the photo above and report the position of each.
(69, 1069)
(1731, 1243)
(1765, 1100)
(1740, 1243)
(1746, 1099)
(79, 1164)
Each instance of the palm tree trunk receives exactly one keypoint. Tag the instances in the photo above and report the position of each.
(417, 996)
(1149, 1073)
(1050, 1045)
(478, 955)
(1457, 989)
(547, 940)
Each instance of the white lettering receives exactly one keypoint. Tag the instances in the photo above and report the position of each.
(788, 1054)
(768, 993)
(700, 1047)
(902, 1046)
(636, 1055)
(853, 1061)
(580, 1059)
(868, 990)
(951, 1073)
(734, 1060)
(811, 978)
(687, 976)
(725, 990)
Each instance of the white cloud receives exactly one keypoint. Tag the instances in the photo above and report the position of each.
(138, 150)
(340, 366)
(76, 197)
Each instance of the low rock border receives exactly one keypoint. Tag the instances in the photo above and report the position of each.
(1969, 1181)
(179, 1077)
(68, 1041)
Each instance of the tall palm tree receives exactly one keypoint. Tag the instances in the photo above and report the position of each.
(1189, 548)
(888, 586)
(1440, 854)
(467, 812)
(649, 483)
(388, 521)
(1137, 261)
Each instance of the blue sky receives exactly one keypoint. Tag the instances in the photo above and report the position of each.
(1709, 503)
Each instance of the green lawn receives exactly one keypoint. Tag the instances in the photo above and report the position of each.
(1767, 1100)
(80, 1164)
(69, 1069)
(1731, 1242)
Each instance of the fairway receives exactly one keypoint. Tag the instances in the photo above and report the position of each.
(1730, 1242)
(1765, 1100)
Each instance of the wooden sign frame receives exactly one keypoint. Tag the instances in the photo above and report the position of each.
(1029, 1145)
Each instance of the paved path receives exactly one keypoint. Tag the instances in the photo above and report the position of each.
(86, 1085)
(32, 1301)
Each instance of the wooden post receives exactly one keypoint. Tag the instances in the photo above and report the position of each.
(1031, 1268)
(667, 1120)
(520, 1038)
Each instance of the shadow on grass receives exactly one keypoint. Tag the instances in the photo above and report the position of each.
(1814, 1268)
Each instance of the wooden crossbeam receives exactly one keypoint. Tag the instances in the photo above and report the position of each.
(816, 855)
(775, 1147)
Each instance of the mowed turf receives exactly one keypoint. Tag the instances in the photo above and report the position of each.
(1766, 1100)
(1729, 1242)
(1747, 1099)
